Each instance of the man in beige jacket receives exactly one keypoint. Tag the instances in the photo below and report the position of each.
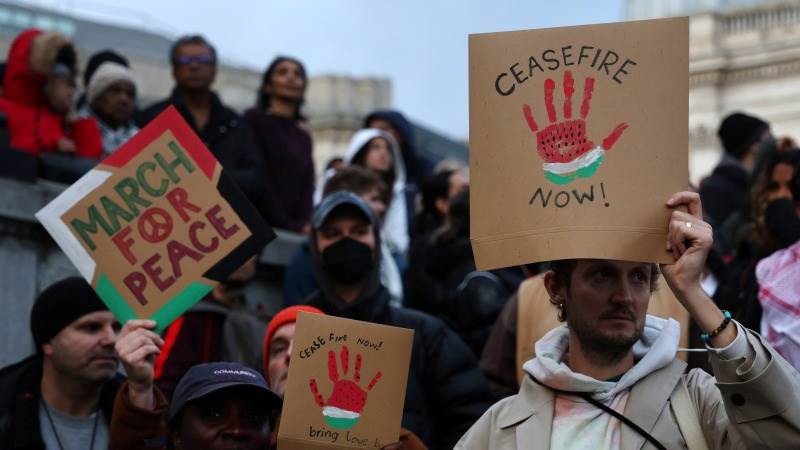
(610, 378)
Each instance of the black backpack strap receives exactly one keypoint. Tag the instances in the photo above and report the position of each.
(586, 396)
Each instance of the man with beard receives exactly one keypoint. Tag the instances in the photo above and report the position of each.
(220, 327)
(446, 392)
(609, 379)
(62, 397)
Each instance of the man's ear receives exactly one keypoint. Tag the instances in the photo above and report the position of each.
(47, 349)
(553, 286)
(442, 205)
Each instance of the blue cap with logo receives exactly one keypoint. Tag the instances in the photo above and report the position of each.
(337, 199)
(204, 379)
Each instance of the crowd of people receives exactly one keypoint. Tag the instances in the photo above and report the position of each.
(571, 354)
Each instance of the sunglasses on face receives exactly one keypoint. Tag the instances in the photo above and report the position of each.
(185, 60)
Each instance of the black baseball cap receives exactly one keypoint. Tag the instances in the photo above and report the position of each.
(204, 379)
(337, 199)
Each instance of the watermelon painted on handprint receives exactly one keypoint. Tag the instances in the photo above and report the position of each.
(566, 151)
(346, 403)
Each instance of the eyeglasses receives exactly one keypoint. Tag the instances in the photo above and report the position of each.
(185, 60)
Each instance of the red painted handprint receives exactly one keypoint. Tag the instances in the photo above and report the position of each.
(564, 147)
(346, 402)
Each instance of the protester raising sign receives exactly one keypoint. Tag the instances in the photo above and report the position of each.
(157, 224)
(578, 136)
(346, 385)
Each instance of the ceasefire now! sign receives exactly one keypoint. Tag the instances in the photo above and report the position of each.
(578, 136)
(157, 224)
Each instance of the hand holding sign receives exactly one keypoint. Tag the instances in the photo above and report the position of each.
(689, 239)
(563, 146)
(137, 348)
(347, 400)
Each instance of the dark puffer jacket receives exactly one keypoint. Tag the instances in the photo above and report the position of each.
(19, 404)
(446, 391)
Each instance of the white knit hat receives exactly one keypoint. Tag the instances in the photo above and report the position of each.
(107, 74)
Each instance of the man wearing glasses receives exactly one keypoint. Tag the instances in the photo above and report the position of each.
(194, 67)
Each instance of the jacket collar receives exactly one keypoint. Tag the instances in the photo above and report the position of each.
(218, 116)
(369, 308)
(531, 411)
(647, 400)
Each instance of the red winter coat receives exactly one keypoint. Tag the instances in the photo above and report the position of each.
(32, 124)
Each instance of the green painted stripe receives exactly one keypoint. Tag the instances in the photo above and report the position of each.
(588, 171)
(113, 299)
(341, 423)
(179, 304)
(164, 316)
(559, 179)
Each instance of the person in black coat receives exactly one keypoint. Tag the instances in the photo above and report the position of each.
(284, 144)
(446, 391)
(71, 380)
(194, 67)
(725, 191)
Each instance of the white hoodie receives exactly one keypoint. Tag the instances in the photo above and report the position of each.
(577, 423)
(395, 222)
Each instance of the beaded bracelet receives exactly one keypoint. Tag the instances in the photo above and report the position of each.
(706, 336)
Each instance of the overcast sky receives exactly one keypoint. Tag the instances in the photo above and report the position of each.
(420, 45)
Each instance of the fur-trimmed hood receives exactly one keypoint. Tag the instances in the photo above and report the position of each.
(31, 59)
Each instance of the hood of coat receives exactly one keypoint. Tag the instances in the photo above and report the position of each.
(362, 137)
(655, 349)
(416, 165)
(398, 121)
(373, 283)
(30, 60)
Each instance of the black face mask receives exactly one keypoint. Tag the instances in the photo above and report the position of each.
(347, 261)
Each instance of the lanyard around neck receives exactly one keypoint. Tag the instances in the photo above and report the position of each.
(55, 432)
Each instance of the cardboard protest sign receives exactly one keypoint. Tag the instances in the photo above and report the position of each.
(156, 225)
(328, 404)
(578, 136)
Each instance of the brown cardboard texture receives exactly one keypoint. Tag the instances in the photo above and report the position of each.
(346, 386)
(578, 136)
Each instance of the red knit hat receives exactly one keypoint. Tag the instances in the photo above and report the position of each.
(284, 316)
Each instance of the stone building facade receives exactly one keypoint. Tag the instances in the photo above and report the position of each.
(744, 56)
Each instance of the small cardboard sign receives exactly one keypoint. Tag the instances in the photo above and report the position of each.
(578, 136)
(346, 386)
(156, 225)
